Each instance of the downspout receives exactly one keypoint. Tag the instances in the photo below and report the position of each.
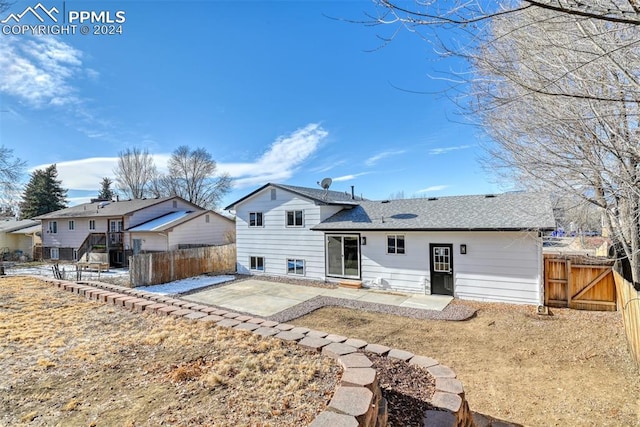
(541, 268)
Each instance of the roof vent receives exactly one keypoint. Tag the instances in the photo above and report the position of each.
(384, 201)
(432, 198)
(489, 196)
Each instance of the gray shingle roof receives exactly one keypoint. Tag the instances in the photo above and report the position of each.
(101, 209)
(509, 211)
(315, 194)
(10, 225)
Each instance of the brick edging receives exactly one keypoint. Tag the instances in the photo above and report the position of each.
(357, 401)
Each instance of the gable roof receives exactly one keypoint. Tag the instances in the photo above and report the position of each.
(509, 211)
(11, 225)
(113, 208)
(173, 219)
(29, 230)
(317, 195)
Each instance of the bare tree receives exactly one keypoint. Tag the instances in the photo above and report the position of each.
(192, 176)
(556, 85)
(134, 172)
(585, 147)
(11, 169)
(467, 25)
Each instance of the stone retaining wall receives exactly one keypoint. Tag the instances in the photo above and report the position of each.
(357, 401)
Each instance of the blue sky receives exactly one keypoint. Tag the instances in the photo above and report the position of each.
(275, 90)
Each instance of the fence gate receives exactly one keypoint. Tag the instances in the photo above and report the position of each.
(578, 282)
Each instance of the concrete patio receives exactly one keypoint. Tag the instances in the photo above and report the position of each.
(265, 298)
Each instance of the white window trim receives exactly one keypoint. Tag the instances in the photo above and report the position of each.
(295, 261)
(57, 251)
(395, 236)
(72, 225)
(92, 221)
(257, 258)
(261, 220)
(286, 218)
(53, 227)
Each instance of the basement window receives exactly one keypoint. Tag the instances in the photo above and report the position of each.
(295, 266)
(256, 263)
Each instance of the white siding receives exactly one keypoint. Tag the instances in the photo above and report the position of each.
(275, 241)
(151, 241)
(198, 231)
(498, 266)
(66, 238)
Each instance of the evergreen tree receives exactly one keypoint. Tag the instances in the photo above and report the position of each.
(43, 193)
(106, 193)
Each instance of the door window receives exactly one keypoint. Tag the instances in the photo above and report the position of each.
(441, 260)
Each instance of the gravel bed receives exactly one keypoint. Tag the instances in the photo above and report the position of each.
(455, 312)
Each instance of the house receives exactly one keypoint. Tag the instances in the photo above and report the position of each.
(18, 238)
(171, 231)
(481, 247)
(104, 227)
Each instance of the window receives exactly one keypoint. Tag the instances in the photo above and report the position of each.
(441, 260)
(75, 254)
(256, 263)
(295, 266)
(206, 219)
(255, 219)
(55, 253)
(72, 225)
(53, 227)
(294, 218)
(395, 244)
(92, 224)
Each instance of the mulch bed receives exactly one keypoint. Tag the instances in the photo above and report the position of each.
(407, 389)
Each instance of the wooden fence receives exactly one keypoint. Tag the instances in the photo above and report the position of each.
(629, 305)
(578, 282)
(163, 267)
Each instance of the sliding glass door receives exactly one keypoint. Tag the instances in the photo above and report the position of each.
(343, 255)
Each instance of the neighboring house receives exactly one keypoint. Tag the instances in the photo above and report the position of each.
(483, 247)
(103, 227)
(171, 231)
(18, 238)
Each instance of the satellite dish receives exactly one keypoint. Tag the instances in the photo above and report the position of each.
(326, 183)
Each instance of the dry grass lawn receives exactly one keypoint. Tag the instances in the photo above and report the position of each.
(569, 369)
(68, 361)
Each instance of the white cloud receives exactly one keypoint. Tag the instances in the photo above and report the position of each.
(371, 161)
(86, 174)
(443, 150)
(433, 188)
(349, 177)
(39, 71)
(280, 161)
(327, 166)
